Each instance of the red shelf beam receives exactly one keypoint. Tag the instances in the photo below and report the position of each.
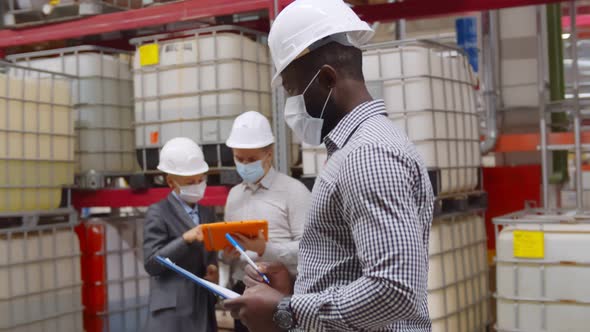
(132, 19)
(413, 9)
(197, 9)
(117, 198)
(531, 141)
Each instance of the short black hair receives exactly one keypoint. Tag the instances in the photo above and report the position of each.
(347, 60)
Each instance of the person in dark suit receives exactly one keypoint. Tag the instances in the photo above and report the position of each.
(172, 230)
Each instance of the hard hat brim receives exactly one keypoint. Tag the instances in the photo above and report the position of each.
(202, 169)
(277, 81)
(234, 144)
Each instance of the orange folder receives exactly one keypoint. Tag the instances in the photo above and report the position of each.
(214, 234)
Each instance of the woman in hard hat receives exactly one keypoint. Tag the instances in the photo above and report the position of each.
(363, 256)
(172, 230)
(263, 194)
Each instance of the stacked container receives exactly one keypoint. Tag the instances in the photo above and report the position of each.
(18, 13)
(116, 285)
(519, 57)
(429, 93)
(103, 103)
(458, 292)
(40, 287)
(36, 138)
(543, 271)
(194, 84)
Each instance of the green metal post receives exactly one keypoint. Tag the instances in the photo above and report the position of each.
(559, 121)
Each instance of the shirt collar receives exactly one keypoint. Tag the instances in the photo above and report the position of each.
(185, 206)
(266, 181)
(338, 137)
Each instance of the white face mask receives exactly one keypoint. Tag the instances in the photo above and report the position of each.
(307, 128)
(193, 193)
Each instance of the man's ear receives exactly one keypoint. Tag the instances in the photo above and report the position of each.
(327, 77)
(170, 181)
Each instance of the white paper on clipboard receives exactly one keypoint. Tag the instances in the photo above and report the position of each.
(212, 287)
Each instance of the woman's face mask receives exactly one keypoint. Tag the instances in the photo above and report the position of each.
(307, 128)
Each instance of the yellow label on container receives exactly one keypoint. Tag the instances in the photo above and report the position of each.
(54, 2)
(149, 55)
(529, 244)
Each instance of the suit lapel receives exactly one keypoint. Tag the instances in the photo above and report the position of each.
(180, 212)
(204, 215)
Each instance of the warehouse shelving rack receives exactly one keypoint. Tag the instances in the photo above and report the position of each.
(193, 10)
(133, 23)
(548, 215)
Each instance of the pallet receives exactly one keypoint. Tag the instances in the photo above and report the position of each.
(435, 180)
(11, 222)
(216, 156)
(459, 204)
(98, 180)
(154, 179)
(20, 18)
(448, 205)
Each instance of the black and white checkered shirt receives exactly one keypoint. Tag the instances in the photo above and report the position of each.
(363, 262)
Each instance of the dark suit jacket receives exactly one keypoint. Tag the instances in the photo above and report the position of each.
(177, 304)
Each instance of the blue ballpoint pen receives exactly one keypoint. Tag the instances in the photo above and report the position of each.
(248, 259)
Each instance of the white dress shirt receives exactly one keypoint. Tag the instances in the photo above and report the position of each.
(283, 202)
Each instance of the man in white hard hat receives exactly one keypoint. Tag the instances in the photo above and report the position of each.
(263, 194)
(172, 230)
(363, 257)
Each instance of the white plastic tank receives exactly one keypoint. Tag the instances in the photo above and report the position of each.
(127, 280)
(458, 291)
(543, 272)
(36, 139)
(429, 93)
(40, 281)
(103, 103)
(519, 56)
(195, 84)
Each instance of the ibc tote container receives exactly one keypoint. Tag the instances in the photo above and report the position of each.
(458, 285)
(40, 282)
(429, 94)
(36, 138)
(543, 268)
(19, 13)
(194, 84)
(116, 285)
(519, 57)
(103, 103)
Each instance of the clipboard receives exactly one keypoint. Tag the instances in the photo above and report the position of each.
(222, 292)
(214, 234)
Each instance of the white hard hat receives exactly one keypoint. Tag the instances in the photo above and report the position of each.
(251, 130)
(305, 22)
(181, 156)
